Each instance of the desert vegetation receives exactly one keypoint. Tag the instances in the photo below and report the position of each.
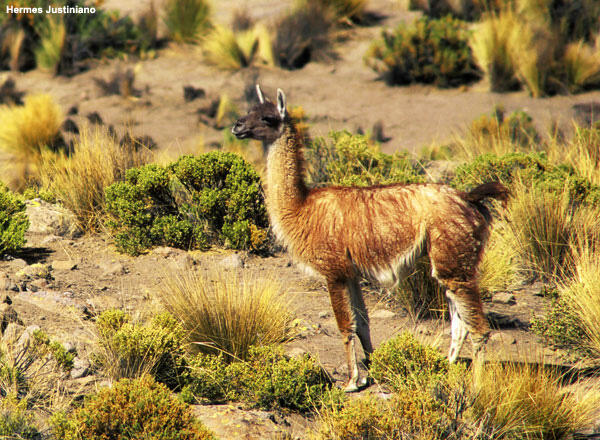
(175, 314)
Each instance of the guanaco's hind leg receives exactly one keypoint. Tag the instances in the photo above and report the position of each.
(466, 315)
(359, 311)
(459, 329)
(341, 303)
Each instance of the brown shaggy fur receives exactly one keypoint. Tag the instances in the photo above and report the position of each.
(377, 232)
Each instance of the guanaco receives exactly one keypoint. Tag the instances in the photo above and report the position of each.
(345, 233)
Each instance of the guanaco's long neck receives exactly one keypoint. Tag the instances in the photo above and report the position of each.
(286, 190)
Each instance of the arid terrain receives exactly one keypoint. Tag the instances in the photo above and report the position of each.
(88, 275)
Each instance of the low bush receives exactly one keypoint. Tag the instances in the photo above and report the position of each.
(31, 371)
(215, 197)
(15, 422)
(267, 379)
(13, 221)
(78, 180)
(353, 160)
(231, 50)
(404, 362)
(132, 408)
(532, 169)
(229, 313)
(129, 350)
(427, 51)
(499, 134)
(187, 20)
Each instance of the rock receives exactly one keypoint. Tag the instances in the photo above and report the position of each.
(182, 262)
(35, 271)
(64, 265)
(504, 298)
(70, 347)
(113, 268)
(7, 300)
(8, 315)
(165, 251)
(502, 338)
(23, 341)
(48, 219)
(297, 352)
(12, 333)
(324, 314)
(233, 261)
(17, 264)
(49, 240)
(382, 314)
(81, 368)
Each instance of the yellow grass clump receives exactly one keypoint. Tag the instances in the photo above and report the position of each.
(27, 130)
(231, 50)
(582, 293)
(528, 401)
(501, 266)
(78, 180)
(228, 312)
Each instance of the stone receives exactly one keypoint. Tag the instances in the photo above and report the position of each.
(35, 271)
(112, 268)
(64, 265)
(165, 251)
(23, 341)
(324, 314)
(81, 368)
(182, 262)
(48, 219)
(13, 332)
(504, 298)
(297, 352)
(502, 338)
(70, 347)
(233, 261)
(382, 314)
(8, 315)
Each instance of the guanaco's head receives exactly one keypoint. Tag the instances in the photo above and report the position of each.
(264, 121)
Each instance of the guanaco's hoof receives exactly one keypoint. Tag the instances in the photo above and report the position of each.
(352, 387)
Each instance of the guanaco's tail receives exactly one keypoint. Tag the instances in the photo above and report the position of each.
(492, 190)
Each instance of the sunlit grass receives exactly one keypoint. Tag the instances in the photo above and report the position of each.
(231, 50)
(78, 180)
(228, 312)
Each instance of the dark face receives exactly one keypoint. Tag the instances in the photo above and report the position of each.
(263, 123)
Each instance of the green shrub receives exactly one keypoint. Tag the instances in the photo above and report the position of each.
(214, 197)
(531, 169)
(137, 408)
(13, 221)
(353, 160)
(405, 362)
(187, 20)
(15, 422)
(268, 379)
(428, 51)
(414, 414)
(516, 128)
(127, 350)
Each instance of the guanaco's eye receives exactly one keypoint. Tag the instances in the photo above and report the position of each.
(270, 120)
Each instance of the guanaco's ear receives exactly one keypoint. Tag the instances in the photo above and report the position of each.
(261, 97)
(281, 103)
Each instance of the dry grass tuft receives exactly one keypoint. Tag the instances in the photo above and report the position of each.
(582, 294)
(187, 20)
(78, 180)
(231, 50)
(228, 312)
(502, 266)
(529, 401)
(27, 130)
